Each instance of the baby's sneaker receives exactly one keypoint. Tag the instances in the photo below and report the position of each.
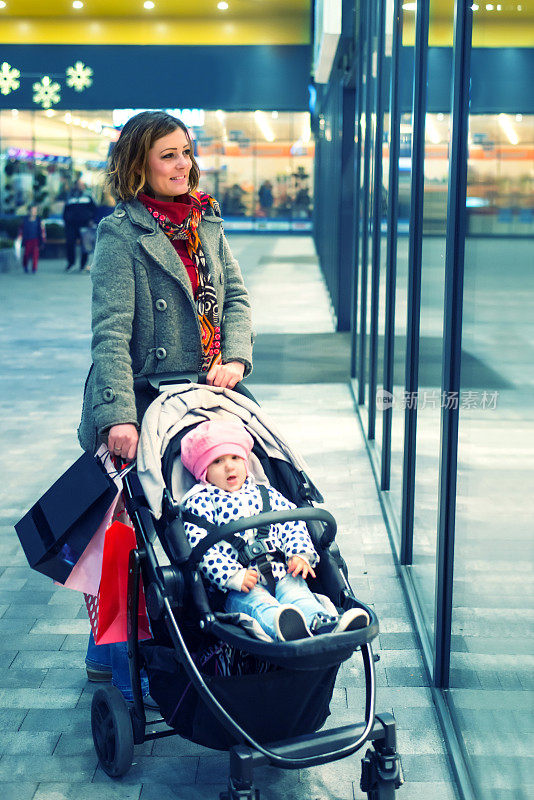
(290, 624)
(352, 620)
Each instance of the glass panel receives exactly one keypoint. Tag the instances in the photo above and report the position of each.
(259, 164)
(493, 602)
(405, 78)
(366, 244)
(437, 137)
(383, 204)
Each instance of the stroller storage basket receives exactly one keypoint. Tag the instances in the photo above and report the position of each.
(301, 700)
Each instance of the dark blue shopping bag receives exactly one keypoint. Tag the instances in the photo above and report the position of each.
(57, 529)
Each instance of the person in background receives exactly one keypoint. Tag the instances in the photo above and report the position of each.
(79, 212)
(32, 234)
(265, 196)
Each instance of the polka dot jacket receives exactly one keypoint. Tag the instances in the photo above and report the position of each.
(220, 564)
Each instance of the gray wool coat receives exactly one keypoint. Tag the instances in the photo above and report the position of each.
(144, 314)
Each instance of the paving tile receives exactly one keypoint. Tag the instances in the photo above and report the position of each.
(69, 720)
(67, 791)
(60, 624)
(172, 770)
(32, 641)
(19, 790)
(20, 678)
(417, 719)
(38, 698)
(28, 659)
(6, 658)
(28, 742)
(11, 719)
(425, 768)
(46, 768)
(162, 791)
(406, 676)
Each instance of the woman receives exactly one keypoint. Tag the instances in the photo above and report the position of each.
(167, 296)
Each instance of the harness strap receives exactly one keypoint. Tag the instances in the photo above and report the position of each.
(263, 563)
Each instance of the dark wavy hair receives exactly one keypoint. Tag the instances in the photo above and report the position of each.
(126, 172)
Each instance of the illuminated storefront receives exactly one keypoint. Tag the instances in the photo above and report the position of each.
(258, 164)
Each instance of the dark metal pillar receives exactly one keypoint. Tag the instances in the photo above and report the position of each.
(452, 339)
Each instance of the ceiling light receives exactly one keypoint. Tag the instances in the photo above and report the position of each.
(409, 6)
(50, 112)
(77, 4)
(475, 7)
(263, 125)
(519, 117)
(305, 136)
(2, 4)
(222, 6)
(441, 117)
(432, 131)
(149, 5)
(508, 128)
(489, 6)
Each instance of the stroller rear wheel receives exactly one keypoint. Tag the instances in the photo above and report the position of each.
(112, 731)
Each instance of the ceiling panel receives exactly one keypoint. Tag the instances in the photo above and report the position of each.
(162, 8)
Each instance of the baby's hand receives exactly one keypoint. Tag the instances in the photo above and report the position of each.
(249, 581)
(297, 564)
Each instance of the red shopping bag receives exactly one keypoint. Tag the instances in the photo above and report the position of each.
(107, 611)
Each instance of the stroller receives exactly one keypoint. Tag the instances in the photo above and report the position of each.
(213, 682)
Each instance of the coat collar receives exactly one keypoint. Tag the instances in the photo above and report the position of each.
(159, 248)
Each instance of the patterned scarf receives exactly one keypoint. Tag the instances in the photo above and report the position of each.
(206, 299)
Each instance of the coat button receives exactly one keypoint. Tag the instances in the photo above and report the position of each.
(108, 394)
(161, 353)
(120, 212)
(161, 305)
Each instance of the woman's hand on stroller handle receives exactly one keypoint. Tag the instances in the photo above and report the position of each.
(123, 440)
(296, 565)
(226, 375)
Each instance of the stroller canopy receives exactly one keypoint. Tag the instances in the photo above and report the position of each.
(178, 409)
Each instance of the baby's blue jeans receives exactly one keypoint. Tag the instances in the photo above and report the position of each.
(262, 606)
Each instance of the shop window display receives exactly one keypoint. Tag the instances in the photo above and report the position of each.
(259, 165)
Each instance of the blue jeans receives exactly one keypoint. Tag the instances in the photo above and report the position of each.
(262, 606)
(115, 657)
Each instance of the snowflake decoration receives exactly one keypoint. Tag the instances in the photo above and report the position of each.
(46, 92)
(9, 78)
(79, 76)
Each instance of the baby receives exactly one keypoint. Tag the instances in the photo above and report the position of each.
(217, 453)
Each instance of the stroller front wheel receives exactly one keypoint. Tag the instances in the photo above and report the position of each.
(112, 731)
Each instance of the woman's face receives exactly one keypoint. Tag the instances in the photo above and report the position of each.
(168, 165)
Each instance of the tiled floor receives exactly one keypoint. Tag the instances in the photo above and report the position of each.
(46, 747)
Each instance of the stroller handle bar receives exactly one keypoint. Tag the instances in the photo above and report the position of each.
(225, 533)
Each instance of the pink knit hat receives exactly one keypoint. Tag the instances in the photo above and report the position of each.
(212, 439)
